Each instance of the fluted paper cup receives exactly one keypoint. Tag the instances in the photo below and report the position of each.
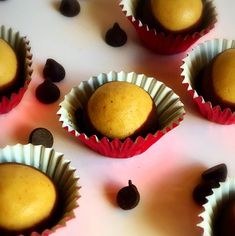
(219, 198)
(21, 47)
(170, 112)
(193, 63)
(57, 168)
(167, 43)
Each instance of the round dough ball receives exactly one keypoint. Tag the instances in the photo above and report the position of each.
(8, 64)
(27, 198)
(223, 76)
(119, 109)
(177, 15)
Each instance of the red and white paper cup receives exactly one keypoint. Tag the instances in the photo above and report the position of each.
(54, 165)
(170, 112)
(167, 43)
(196, 59)
(21, 47)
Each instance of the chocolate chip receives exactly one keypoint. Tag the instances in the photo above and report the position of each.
(216, 173)
(53, 70)
(202, 190)
(47, 92)
(128, 197)
(116, 36)
(69, 8)
(41, 136)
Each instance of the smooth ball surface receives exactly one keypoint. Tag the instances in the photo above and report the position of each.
(27, 197)
(223, 76)
(177, 15)
(118, 109)
(8, 64)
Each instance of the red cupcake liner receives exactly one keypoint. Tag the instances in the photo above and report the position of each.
(172, 113)
(167, 43)
(192, 64)
(118, 149)
(20, 45)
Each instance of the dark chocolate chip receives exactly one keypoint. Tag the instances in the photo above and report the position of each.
(53, 71)
(69, 8)
(216, 173)
(116, 36)
(41, 136)
(202, 190)
(47, 92)
(128, 197)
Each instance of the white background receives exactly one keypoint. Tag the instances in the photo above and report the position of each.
(166, 173)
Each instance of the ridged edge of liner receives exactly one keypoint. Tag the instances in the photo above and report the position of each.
(17, 41)
(168, 43)
(214, 200)
(192, 63)
(169, 107)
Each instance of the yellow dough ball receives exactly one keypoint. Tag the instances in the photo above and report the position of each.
(119, 109)
(8, 64)
(177, 15)
(223, 76)
(27, 197)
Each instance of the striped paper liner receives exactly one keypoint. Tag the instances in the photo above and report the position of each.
(170, 112)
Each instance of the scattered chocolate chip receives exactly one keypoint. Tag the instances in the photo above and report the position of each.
(210, 179)
(53, 71)
(47, 92)
(41, 136)
(128, 197)
(216, 173)
(202, 190)
(115, 36)
(69, 8)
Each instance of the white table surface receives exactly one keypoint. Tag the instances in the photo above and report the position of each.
(166, 173)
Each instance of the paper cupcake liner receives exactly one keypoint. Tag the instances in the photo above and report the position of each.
(169, 108)
(219, 196)
(200, 56)
(166, 43)
(22, 48)
(53, 165)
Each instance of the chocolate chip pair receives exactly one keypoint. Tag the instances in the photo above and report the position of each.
(128, 197)
(209, 179)
(47, 92)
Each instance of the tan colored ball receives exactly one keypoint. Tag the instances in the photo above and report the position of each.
(27, 197)
(119, 109)
(8, 64)
(177, 15)
(223, 76)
